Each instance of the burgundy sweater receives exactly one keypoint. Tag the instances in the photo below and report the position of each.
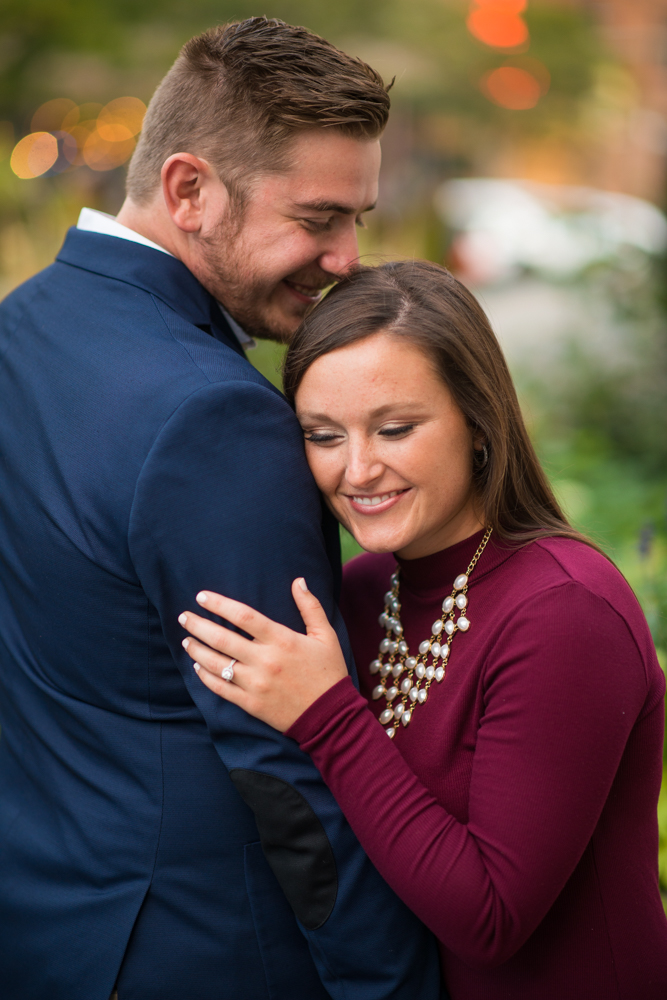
(516, 814)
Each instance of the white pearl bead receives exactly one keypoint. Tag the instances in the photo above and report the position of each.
(384, 645)
(463, 624)
(448, 604)
(436, 627)
(439, 673)
(391, 693)
(444, 652)
(378, 692)
(402, 648)
(395, 606)
(429, 673)
(398, 711)
(450, 627)
(385, 669)
(398, 628)
(390, 733)
(386, 716)
(420, 671)
(435, 650)
(375, 666)
(423, 695)
(388, 597)
(460, 582)
(411, 663)
(424, 647)
(406, 684)
(382, 620)
(413, 694)
(393, 646)
(461, 601)
(397, 669)
(405, 718)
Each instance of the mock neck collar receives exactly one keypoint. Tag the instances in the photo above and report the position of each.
(437, 572)
(158, 273)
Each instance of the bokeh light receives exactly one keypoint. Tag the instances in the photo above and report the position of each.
(121, 119)
(512, 87)
(498, 23)
(66, 135)
(34, 155)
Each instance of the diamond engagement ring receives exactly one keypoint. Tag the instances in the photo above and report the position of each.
(228, 671)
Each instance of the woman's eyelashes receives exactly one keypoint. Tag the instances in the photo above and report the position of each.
(394, 432)
(331, 437)
(322, 437)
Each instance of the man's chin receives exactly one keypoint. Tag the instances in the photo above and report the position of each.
(269, 326)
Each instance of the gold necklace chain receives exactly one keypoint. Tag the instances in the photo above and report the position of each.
(418, 674)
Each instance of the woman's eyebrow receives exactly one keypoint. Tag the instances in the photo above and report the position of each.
(379, 411)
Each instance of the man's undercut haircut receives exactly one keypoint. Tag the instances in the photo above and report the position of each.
(238, 94)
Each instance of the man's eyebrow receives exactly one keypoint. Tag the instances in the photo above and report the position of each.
(332, 206)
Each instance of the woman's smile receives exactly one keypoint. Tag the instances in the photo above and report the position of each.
(376, 503)
(389, 447)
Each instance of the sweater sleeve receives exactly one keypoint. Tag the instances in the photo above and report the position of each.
(561, 695)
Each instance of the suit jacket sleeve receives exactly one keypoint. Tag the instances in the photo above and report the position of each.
(225, 502)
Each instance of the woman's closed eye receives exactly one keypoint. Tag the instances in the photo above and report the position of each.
(394, 432)
(322, 437)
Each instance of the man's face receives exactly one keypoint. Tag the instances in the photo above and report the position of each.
(297, 234)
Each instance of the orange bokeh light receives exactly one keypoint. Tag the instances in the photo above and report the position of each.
(50, 116)
(497, 25)
(121, 119)
(100, 154)
(508, 6)
(511, 87)
(34, 155)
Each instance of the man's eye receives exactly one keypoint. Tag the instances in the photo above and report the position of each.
(315, 226)
(321, 437)
(397, 431)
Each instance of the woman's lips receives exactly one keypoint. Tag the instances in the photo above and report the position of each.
(304, 293)
(376, 503)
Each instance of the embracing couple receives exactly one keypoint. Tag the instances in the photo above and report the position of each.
(201, 796)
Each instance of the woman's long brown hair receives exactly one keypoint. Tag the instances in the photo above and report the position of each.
(424, 303)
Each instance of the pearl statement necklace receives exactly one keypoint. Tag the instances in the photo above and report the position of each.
(413, 689)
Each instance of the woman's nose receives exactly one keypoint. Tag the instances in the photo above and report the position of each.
(363, 466)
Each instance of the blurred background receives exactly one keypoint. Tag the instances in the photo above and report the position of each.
(527, 150)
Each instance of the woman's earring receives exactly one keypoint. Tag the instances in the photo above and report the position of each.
(484, 453)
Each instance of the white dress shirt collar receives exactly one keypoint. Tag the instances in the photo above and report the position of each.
(93, 221)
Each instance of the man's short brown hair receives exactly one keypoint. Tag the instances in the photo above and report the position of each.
(237, 94)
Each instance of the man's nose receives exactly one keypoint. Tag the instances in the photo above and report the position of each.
(341, 250)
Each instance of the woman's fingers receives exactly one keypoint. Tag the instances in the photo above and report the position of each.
(207, 658)
(222, 639)
(312, 612)
(239, 614)
(230, 692)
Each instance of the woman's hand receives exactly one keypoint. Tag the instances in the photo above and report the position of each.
(280, 673)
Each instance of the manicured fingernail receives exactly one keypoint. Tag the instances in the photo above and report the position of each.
(185, 643)
(197, 667)
(182, 618)
(202, 598)
(303, 584)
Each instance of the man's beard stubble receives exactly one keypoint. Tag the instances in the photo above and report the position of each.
(242, 293)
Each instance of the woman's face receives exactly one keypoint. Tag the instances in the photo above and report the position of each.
(389, 448)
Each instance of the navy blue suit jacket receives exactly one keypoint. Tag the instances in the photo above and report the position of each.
(150, 833)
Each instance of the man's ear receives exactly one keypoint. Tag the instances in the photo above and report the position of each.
(187, 181)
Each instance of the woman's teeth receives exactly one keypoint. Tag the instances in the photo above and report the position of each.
(373, 501)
